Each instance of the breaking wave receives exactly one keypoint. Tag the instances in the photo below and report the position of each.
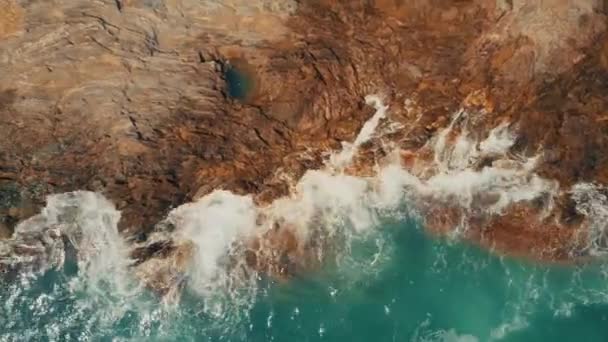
(222, 247)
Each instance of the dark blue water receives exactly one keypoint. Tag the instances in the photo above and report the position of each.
(395, 284)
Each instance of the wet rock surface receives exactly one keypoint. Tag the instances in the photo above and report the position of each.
(130, 98)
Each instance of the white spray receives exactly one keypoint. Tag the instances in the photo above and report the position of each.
(455, 176)
(84, 221)
(592, 202)
(219, 225)
(349, 150)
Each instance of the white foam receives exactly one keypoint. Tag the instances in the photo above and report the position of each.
(86, 219)
(592, 202)
(341, 159)
(440, 147)
(215, 224)
(455, 176)
(499, 141)
(77, 228)
(327, 202)
(343, 204)
(328, 199)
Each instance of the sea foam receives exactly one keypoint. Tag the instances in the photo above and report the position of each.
(325, 211)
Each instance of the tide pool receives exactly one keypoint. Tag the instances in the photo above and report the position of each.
(392, 284)
(239, 83)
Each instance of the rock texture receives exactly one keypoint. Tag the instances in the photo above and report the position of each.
(128, 97)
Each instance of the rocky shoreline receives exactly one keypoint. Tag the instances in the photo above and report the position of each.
(130, 99)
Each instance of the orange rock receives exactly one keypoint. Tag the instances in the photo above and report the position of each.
(408, 158)
(11, 17)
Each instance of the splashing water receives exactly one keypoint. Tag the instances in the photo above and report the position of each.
(71, 277)
(592, 202)
(349, 150)
(74, 273)
(457, 176)
(84, 221)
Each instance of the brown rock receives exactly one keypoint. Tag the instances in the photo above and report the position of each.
(5, 232)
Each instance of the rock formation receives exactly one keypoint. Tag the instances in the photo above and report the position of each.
(129, 98)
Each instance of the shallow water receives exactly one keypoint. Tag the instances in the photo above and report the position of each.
(394, 284)
(238, 82)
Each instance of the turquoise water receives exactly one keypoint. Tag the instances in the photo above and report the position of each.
(395, 284)
(238, 82)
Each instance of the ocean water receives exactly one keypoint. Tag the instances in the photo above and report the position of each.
(396, 284)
